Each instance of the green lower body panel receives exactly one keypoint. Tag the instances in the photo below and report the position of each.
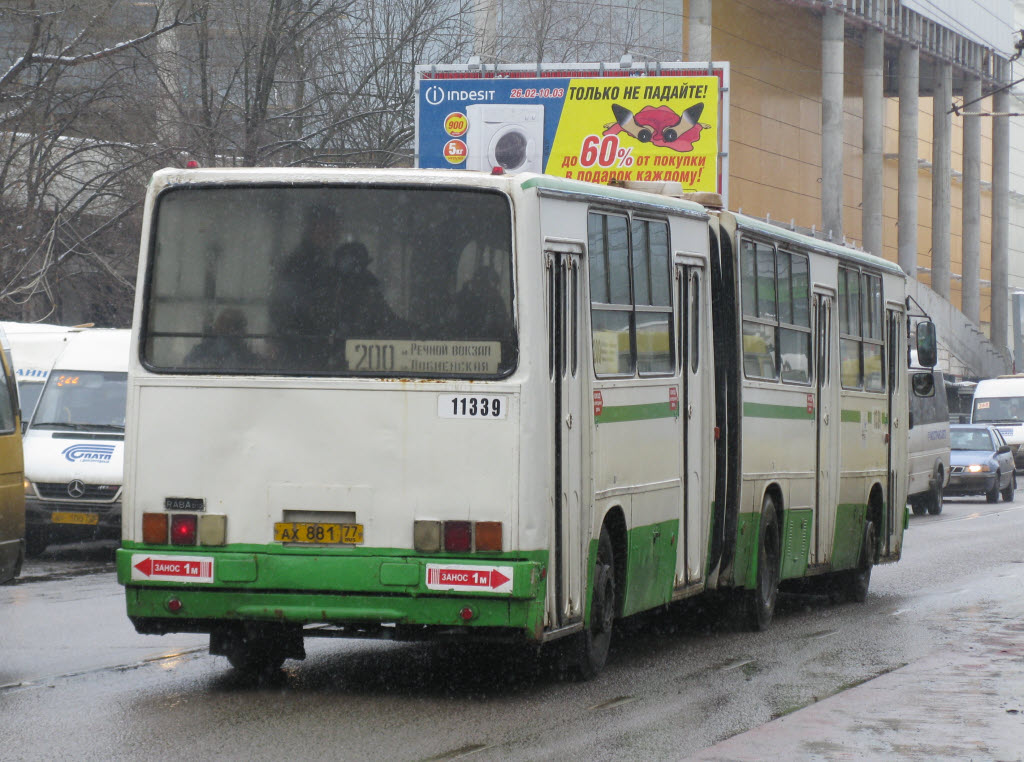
(744, 564)
(797, 530)
(849, 535)
(311, 588)
(650, 566)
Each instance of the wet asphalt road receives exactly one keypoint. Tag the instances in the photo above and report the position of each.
(76, 682)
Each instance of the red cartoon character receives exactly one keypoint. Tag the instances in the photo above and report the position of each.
(661, 126)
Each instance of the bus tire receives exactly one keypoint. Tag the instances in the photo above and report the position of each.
(258, 651)
(259, 659)
(758, 605)
(934, 498)
(35, 542)
(854, 583)
(592, 645)
(1010, 488)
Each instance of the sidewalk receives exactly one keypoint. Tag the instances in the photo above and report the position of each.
(964, 704)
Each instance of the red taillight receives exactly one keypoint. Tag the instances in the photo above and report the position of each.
(191, 164)
(458, 536)
(466, 614)
(174, 605)
(183, 529)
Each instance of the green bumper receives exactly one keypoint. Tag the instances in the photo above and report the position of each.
(266, 584)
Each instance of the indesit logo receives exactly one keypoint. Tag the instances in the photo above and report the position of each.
(89, 453)
(434, 95)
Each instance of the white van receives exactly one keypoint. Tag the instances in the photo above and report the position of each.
(999, 402)
(928, 441)
(34, 347)
(74, 444)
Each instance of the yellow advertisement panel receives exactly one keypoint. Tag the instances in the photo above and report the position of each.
(650, 129)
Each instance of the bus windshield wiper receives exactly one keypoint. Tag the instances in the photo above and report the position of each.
(77, 426)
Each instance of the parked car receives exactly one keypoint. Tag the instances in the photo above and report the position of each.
(981, 463)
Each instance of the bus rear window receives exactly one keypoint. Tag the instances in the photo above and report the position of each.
(378, 281)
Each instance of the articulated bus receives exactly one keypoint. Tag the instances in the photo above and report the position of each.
(415, 404)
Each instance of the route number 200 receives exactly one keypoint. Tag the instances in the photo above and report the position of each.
(471, 406)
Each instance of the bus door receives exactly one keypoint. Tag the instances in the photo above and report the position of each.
(896, 437)
(827, 428)
(570, 541)
(695, 415)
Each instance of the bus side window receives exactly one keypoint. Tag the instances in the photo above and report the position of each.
(760, 312)
(611, 303)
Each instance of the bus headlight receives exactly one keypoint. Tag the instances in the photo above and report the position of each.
(29, 489)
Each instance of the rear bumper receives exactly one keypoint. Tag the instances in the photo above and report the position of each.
(364, 593)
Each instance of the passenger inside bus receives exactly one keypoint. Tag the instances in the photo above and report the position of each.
(225, 346)
(362, 309)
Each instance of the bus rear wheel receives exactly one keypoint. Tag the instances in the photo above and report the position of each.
(257, 650)
(758, 605)
(853, 584)
(36, 541)
(592, 645)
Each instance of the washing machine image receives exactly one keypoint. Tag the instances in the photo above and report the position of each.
(506, 136)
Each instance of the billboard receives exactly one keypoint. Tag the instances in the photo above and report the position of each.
(588, 122)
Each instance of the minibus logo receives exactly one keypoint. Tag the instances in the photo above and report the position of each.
(89, 453)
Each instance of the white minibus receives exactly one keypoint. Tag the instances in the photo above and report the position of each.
(34, 347)
(928, 445)
(1000, 402)
(74, 443)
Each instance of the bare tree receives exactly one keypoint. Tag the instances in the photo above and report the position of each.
(70, 177)
(306, 81)
(551, 31)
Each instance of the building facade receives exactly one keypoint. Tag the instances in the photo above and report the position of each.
(843, 120)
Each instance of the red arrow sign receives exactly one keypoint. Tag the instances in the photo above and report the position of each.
(173, 568)
(469, 578)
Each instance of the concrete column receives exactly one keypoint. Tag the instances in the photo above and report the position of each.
(873, 137)
(971, 251)
(699, 37)
(485, 23)
(1000, 218)
(942, 148)
(832, 26)
(910, 63)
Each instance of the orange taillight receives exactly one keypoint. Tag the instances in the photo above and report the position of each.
(488, 535)
(154, 528)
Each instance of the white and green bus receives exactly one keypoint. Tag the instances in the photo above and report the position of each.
(413, 404)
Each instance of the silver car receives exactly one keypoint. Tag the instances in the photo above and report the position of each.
(981, 463)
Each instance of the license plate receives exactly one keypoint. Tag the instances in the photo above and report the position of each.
(67, 517)
(318, 533)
